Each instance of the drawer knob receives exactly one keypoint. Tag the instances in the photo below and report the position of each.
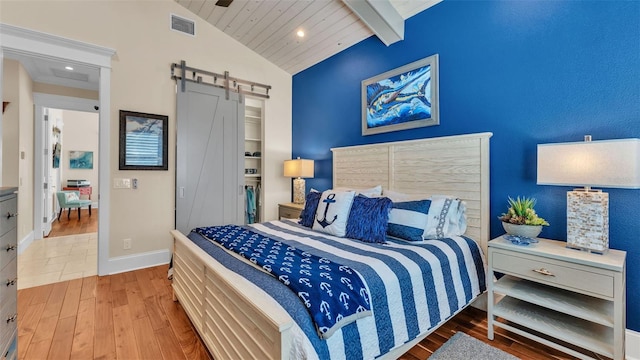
(11, 282)
(544, 271)
(10, 215)
(10, 247)
(12, 318)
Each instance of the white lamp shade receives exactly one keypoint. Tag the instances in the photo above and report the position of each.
(301, 168)
(605, 163)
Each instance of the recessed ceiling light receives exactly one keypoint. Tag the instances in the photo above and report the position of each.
(300, 33)
(68, 68)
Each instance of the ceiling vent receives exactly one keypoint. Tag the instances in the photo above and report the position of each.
(70, 75)
(224, 3)
(183, 25)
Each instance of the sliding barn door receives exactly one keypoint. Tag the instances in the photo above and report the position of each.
(209, 158)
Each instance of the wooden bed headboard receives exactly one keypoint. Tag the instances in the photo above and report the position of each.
(451, 165)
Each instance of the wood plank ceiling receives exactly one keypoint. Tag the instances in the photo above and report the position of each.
(269, 27)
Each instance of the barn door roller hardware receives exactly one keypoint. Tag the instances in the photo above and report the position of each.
(183, 73)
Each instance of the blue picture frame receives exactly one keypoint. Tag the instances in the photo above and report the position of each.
(403, 98)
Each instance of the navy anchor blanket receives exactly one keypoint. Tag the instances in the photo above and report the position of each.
(334, 294)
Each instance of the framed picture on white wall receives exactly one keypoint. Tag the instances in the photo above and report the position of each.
(143, 141)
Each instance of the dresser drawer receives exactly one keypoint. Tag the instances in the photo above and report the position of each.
(8, 289)
(8, 207)
(561, 274)
(8, 247)
(8, 320)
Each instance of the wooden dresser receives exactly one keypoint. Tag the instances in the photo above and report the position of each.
(8, 272)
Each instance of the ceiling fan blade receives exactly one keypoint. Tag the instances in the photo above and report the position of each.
(224, 3)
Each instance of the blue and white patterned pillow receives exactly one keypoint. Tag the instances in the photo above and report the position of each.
(333, 212)
(447, 217)
(369, 219)
(407, 220)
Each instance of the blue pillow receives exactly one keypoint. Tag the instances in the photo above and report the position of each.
(368, 219)
(310, 207)
(407, 220)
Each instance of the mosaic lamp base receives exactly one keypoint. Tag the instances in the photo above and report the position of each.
(588, 220)
(298, 191)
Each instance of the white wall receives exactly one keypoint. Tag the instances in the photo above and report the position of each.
(10, 90)
(17, 141)
(80, 133)
(140, 81)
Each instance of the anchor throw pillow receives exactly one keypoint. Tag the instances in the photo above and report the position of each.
(333, 212)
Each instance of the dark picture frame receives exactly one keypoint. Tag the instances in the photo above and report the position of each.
(403, 98)
(144, 141)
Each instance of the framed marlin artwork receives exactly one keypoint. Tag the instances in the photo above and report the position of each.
(403, 98)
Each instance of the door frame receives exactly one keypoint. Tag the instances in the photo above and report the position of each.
(42, 45)
(42, 101)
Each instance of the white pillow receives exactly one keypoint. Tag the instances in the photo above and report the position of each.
(396, 196)
(71, 196)
(447, 217)
(375, 191)
(333, 212)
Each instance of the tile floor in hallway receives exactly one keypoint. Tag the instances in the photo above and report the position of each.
(57, 259)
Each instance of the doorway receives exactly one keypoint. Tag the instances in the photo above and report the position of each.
(72, 140)
(45, 46)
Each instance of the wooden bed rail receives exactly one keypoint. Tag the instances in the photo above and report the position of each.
(216, 300)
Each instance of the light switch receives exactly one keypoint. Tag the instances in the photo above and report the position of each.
(121, 183)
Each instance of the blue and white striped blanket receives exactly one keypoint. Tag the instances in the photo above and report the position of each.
(334, 294)
(414, 287)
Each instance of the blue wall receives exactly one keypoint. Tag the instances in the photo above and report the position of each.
(531, 72)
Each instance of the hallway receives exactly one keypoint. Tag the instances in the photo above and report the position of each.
(56, 259)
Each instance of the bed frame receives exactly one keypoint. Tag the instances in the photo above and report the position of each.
(237, 323)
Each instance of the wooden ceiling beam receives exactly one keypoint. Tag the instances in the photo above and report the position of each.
(381, 17)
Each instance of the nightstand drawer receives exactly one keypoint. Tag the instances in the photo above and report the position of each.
(557, 273)
(290, 211)
(287, 213)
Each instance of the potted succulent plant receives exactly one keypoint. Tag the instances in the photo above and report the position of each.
(521, 219)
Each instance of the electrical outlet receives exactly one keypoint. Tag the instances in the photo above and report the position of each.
(126, 244)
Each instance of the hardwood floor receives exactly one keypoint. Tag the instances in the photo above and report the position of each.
(123, 316)
(73, 226)
(132, 316)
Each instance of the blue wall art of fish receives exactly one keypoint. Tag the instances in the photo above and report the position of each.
(399, 99)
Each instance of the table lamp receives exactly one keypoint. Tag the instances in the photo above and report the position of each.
(604, 163)
(298, 169)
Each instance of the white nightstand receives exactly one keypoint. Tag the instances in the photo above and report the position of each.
(552, 293)
(290, 211)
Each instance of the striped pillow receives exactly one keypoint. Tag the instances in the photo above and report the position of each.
(407, 220)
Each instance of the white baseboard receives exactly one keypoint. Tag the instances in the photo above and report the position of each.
(25, 242)
(138, 261)
(632, 347)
